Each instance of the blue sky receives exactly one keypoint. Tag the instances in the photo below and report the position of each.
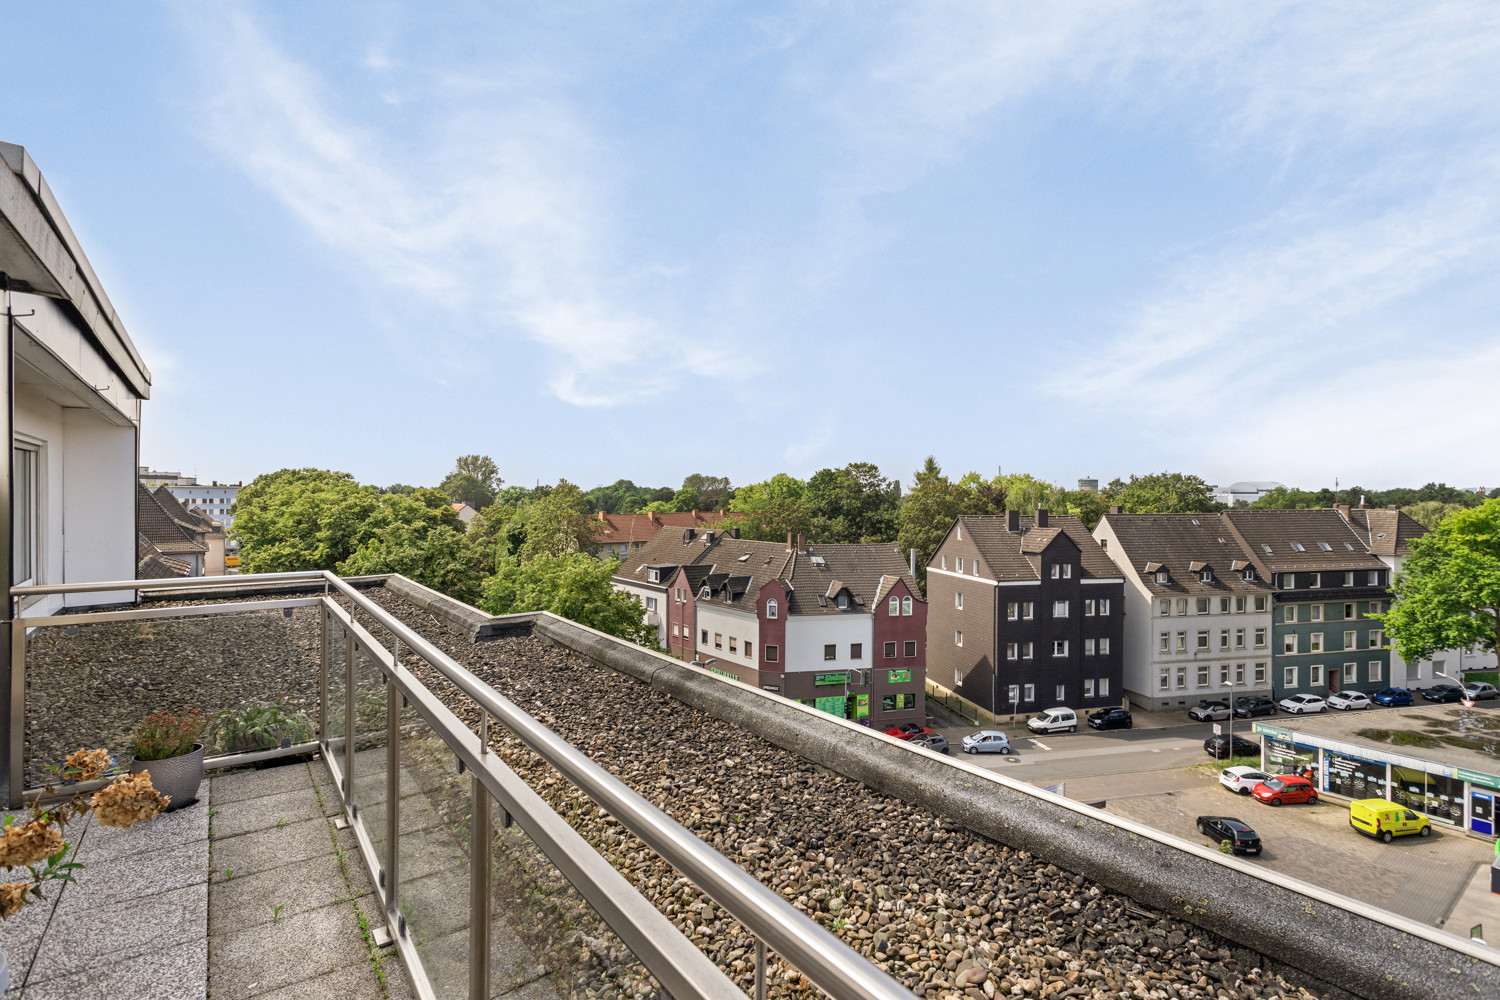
(642, 240)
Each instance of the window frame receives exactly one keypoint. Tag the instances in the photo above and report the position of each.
(909, 649)
(772, 608)
(830, 651)
(772, 652)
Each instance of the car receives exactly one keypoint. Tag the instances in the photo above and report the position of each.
(1054, 720)
(936, 742)
(1443, 692)
(1242, 839)
(1387, 820)
(1219, 747)
(1480, 691)
(1248, 706)
(907, 731)
(987, 741)
(1111, 718)
(1349, 701)
(1302, 704)
(1209, 711)
(1392, 697)
(1291, 788)
(1241, 779)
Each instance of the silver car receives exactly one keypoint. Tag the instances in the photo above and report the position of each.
(1480, 691)
(987, 741)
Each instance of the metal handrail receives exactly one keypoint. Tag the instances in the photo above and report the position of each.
(826, 961)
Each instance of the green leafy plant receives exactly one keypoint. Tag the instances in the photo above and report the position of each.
(1226, 847)
(276, 912)
(260, 726)
(166, 734)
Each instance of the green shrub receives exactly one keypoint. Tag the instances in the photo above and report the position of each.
(167, 734)
(259, 726)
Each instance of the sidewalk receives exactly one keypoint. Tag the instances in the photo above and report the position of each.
(1477, 905)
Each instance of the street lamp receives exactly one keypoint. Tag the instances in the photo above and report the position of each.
(703, 663)
(1463, 692)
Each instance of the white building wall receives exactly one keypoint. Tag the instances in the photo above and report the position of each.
(726, 623)
(99, 492)
(806, 636)
(654, 616)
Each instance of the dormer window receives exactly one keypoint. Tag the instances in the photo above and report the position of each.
(771, 608)
(843, 601)
(653, 575)
(1162, 576)
(1249, 575)
(906, 606)
(1062, 571)
(1205, 576)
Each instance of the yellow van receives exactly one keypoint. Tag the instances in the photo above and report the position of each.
(1387, 820)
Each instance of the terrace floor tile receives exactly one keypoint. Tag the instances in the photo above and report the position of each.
(265, 811)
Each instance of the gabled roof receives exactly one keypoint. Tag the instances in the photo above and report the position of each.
(1282, 541)
(610, 529)
(1184, 545)
(170, 529)
(152, 564)
(1014, 555)
(1387, 532)
(739, 567)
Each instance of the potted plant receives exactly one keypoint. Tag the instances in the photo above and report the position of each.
(166, 746)
(260, 726)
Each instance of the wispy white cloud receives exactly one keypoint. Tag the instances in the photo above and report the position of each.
(498, 217)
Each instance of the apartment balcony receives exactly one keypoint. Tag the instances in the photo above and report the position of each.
(482, 807)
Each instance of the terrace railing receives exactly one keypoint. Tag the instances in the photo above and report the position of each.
(431, 838)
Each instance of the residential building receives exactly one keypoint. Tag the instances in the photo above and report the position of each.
(1326, 585)
(1244, 492)
(1025, 613)
(74, 388)
(168, 529)
(465, 512)
(1198, 622)
(154, 478)
(1389, 533)
(618, 535)
(839, 627)
(215, 499)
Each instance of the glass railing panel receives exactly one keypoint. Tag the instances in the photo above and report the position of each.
(542, 929)
(433, 895)
(337, 706)
(370, 748)
(253, 674)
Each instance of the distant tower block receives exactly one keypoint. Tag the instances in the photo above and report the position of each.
(1092, 485)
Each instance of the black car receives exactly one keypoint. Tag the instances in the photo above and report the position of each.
(1219, 748)
(1111, 718)
(1247, 707)
(1221, 828)
(1443, 692)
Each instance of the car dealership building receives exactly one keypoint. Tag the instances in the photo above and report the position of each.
(1441, 760)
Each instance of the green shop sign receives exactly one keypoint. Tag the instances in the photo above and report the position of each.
(840, 678)
(1489, 781)
(897, 676)
(724, 673)
(862, 706)
(1272, 731)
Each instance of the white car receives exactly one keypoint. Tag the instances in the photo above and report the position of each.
(987, 741)
(1349, 701)
(1242, 779)
(1054, 720)
(1302, 704)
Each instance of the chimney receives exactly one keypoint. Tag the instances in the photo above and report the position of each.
(791, 542)
(687, 536)
(1343, 510)
(602, 517)
(1041, 517)
(1116, 509)
(1393, 506)
(913, 562)
(651, 516)
(801, 543)
(695, 515)
(1012, 520)
(1362, 504)
(734, 532)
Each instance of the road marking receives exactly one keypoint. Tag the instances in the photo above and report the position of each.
(1039, 743)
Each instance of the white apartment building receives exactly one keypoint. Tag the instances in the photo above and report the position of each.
(1197, 616)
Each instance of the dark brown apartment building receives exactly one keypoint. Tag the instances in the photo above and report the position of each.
(1025, 613)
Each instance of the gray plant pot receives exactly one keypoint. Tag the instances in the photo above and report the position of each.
(178, 777)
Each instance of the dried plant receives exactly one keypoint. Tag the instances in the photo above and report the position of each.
(36, 841)
(167, 734)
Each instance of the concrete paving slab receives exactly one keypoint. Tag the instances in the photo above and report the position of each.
(271, 848)
(176, 973)
(537, 989)
(292, 950)
(1477, 905)
(100, 843)
(234, 786)
(21, 935)
(251, 900)
(352, 982)
(144, 874)
(265, 811)
(78, 935)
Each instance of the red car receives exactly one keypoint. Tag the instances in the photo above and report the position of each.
(1286, 788)
(907, 731)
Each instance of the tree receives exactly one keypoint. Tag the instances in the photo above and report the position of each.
(1448, 592)
(1025, 493)
(852, 504)
(573, 585)
(440, 557)
(465, 488)
(482, 468)
(685, 500)
(1430, 513)
(713, 491)
(310, 519)
(557, 523)
(1163, 493)
(773, 508)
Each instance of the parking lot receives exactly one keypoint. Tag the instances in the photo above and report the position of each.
(1418, 878)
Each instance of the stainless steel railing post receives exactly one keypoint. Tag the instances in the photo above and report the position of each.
(392, 802)
(349, 728)
(480, 837)
(17, 733)
(323, 677)
(760, 969)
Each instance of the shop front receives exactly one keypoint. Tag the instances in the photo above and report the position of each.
(1354, 777)
(1283, 755)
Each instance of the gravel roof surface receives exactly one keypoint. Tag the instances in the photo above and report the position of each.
(948, 913)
